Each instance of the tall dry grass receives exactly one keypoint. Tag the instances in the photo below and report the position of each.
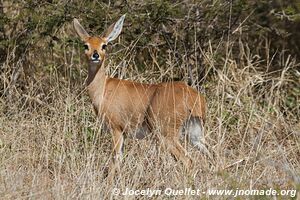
(52, 146)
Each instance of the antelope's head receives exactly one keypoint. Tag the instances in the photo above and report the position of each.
(95, 45)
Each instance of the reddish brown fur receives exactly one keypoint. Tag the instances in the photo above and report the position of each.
(125, 105)
(94, 43)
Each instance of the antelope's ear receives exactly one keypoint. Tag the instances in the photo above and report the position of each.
(114, 30)
(81, 32)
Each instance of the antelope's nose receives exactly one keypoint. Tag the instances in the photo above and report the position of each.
(95, 55)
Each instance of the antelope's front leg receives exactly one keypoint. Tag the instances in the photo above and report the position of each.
(117, 137)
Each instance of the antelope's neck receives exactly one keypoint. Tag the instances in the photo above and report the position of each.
(96, 83)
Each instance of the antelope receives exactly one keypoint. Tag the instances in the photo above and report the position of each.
(136, 108)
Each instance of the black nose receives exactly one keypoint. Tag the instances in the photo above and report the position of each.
(95, 55)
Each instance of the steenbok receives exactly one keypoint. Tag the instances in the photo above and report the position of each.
(173, 108)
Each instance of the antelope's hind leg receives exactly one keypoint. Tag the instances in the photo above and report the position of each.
(173, 145)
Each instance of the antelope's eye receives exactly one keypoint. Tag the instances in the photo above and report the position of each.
(86, 47)
(104, 46)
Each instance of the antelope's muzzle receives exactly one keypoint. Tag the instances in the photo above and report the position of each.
(95, 57)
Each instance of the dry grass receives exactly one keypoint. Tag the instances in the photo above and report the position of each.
(52, 147)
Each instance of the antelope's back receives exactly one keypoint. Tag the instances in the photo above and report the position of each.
(174, 102)
(126, 102)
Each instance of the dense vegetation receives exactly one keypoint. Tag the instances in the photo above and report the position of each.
(243, 55)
